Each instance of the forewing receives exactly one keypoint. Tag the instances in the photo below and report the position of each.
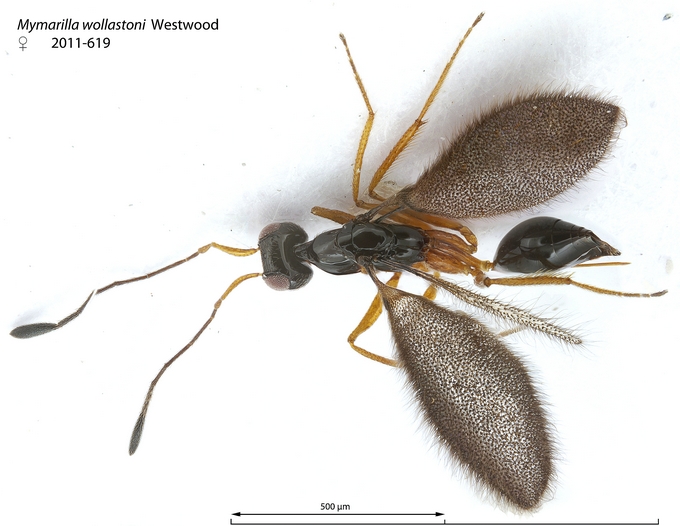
(476, 395)
(517, 156)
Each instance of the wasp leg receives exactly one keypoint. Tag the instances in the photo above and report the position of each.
(603, 264)
(405, 138)
(431, 291)
(404, 216)
(334, 215)
(447, 252)
(564, 280)
(359, 161)
(408, 135)
(372, 314)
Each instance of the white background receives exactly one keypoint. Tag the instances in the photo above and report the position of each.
(118, 161)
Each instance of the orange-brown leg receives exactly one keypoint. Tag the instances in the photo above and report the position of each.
(565, 280)
(603, 264)
(427, 221)
(431, 291)
(334, 215)
(405, 139)
(408, 135)
(442, 222)
(371, 316)
(359, 161)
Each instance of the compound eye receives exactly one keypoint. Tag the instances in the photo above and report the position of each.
(277, 281)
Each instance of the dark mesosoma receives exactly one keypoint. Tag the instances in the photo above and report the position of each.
(475, 394)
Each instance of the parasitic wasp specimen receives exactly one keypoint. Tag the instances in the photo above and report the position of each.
(475, 394)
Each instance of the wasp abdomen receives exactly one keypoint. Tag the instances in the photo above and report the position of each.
(547, 243)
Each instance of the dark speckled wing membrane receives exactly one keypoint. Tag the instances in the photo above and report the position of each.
(476, 395)
(517, 156)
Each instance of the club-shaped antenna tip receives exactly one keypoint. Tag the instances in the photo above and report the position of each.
(34, 329)
(136, 434)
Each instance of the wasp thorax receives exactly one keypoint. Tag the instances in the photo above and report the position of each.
(361, 239)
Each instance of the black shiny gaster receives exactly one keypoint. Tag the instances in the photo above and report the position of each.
(547, 243)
